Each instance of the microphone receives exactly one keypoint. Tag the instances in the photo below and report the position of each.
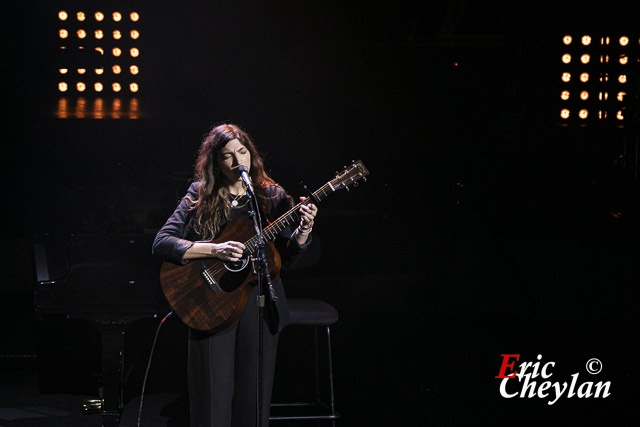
(244, 174)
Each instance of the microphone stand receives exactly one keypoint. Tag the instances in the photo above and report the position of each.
(263, 268)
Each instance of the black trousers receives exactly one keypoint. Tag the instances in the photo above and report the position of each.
(222, 372)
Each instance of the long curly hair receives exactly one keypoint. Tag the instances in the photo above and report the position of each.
(212, 205)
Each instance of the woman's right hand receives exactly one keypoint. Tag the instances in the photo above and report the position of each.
(226, 251)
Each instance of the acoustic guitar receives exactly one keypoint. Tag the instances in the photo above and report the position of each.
(209, 294)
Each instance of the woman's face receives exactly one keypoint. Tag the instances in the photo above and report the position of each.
(232, 155)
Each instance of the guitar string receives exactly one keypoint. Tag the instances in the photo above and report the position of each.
(290, 215)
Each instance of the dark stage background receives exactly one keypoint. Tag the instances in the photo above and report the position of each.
(484, 229)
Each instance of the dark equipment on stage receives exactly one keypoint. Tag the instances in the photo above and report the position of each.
(110, 281)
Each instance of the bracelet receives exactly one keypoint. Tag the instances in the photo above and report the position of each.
(304, 233)
(308, 228)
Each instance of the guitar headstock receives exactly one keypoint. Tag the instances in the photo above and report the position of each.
(351, 175)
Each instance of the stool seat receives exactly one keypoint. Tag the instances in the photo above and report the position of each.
(311, 312)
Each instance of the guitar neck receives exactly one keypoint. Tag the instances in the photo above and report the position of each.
(292, 216)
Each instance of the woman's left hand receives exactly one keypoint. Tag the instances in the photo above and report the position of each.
(307, 216)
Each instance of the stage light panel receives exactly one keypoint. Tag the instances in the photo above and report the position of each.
(87, 35)
(598, 64)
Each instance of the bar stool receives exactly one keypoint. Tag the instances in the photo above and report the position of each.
(317, 314)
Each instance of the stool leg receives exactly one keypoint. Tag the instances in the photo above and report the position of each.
(331, 398)
(316, 370)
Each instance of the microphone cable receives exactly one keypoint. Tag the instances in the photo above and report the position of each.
(146, 374)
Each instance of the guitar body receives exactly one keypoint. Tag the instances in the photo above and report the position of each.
(209, 294)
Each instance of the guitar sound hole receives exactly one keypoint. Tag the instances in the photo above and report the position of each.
(237, 265)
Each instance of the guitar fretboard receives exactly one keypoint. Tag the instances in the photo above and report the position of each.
(292, 216)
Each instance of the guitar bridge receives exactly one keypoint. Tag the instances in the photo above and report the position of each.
(208, 278)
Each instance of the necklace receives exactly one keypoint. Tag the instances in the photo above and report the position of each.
(235, 203)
